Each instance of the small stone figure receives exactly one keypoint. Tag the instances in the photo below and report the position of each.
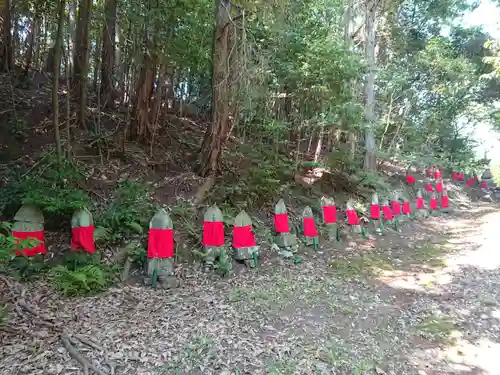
(445, 203)
(353, 219)
(213, 236)
(160, 262)
(283, 238)
(330, 218)
(29, 225)
(82, 231)
(420, 211)
(375, 214)
(311, 235)
(244, 246)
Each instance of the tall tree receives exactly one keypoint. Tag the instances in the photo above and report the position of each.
(81, 59)
(224, 51)
(108, 53)
(370, 163)
(6, 61)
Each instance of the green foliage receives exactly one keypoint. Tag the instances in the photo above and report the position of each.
(258, 183)
(129, 213)
(81, 274)
(223, 265)
(81, 281)
(18, 128)
(51, 187)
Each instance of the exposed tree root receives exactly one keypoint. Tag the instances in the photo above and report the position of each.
(75, 354)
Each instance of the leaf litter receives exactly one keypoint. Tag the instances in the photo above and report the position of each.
(331, 314)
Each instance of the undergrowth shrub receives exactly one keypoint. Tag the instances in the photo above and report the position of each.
(253, 185)
(51, 187)
(129, 213)
(82, 274)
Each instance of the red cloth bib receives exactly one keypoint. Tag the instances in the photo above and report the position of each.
(467, 184)
(428, 172)
(455, 176)
(406, 208)
(310, 227)
(387, 213)
(420, 203)
(281, 223)
(437, 174)
(213, 233)
(243, 237)
(161, 242)
(444, 201)
(396, 208)
(83, 238)
(352, 217)
(37, 249)
(410, 180)
(484, 185)
(429, 188)
(330, 214)
(375, 211)
(433, 204)
(439, 187)
(461, 176)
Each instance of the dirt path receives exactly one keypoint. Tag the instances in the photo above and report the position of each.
(424, 301)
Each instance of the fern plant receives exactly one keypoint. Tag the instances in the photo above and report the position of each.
(82, 281)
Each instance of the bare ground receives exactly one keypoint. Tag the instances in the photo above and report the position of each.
(423, 301)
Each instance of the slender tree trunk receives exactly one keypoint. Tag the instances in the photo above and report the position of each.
(108, 54)
(55, 79)
(370, 163)
(6, 61)
(81, 61)
(223, 45)
(31, 42)
(351, 137)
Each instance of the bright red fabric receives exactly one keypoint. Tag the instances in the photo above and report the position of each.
(444, 201)
(37, 249)
(243, 237)
(410, 180)
(467, 184)
(352, 217)
(461, 176)
(439, 187)
(387, 213)
(213, 233)
(406, 208)
(310, 227)
(375, 211)
(396, 207)
(420, 203)
(455, 176)
(484, 185)
(281, 223)
(83, 238)
(428, 172)
(433, 204)
(330, 214)
(437, 174)
(161, 242)
(429, 188)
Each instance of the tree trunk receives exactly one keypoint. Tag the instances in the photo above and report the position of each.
(55, 79)
(31, 42)
(108, 54)
(370, 163)
(140, 129)
(351, 137)
(81, 60)
(6, 61)
(223, 45)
